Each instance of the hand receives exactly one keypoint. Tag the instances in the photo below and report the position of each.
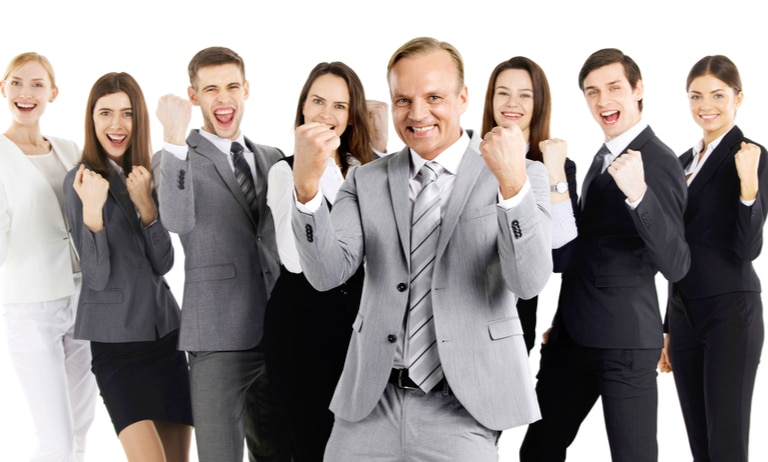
(377, 113)
(545, 336)
(747, 160)
(315, 144)
(92, 190)
(554, 152)
(627, 171)
(174, 114)
(503, 150)
(139, 184)
(665, 365)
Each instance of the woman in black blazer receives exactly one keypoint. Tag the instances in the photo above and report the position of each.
(126, 308)
(715, 314)
(518, 92)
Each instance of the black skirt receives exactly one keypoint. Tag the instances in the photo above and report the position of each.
(143, 381)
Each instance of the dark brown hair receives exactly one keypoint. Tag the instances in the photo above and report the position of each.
(138, 152)
(542, 102)
(719, 66)
(213, 56)
(606, 57)
(356, 139)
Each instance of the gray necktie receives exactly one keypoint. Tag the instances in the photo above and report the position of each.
(244, 177)
(595, 169)
(423, 361)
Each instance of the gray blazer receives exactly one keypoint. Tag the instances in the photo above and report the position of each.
(486, 257)
(124, 297)
(231, 261)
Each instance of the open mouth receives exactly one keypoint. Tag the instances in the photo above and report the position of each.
(610, 117)
(511, 115)
(116, 140)
(224, 116)
(421, 130)
(25, 107)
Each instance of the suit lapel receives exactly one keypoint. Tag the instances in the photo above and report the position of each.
(398, 171)
(119, 193)
(469, 170)
(727, 148)
(223, 168)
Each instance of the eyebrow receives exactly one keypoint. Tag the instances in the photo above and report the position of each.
(507, 88)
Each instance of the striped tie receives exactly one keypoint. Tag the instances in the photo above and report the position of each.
(244, 177)
(424, 364)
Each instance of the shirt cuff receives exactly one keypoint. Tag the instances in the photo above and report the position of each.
(633, 205)
(178, 151)
(311, 205)
(515, 200)
(747, 203)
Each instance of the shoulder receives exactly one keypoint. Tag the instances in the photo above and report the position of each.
(271, 153)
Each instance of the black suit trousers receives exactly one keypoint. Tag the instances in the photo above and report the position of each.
(570, 380)
(715, 346)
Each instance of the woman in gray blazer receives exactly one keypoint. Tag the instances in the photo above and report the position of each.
(126, 308)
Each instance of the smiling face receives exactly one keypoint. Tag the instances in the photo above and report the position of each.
(427, 102)
(28, 90)
(612, 100)
(328, 103)
(113, 123)
(513, 100)
(713, 105)
(220, 91)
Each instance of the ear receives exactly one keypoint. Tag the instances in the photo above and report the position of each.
(54, 94)
(638, 91)
(463, 99)
(2, 88)
(739, 99)
(192, 94)
(246, 89)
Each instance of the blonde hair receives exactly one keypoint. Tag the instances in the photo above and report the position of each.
(28, 57)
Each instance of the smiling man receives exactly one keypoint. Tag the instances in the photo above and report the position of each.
(606, 337)
(452, 230)
(213, 194)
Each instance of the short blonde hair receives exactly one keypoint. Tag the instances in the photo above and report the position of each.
(28, 57)
(423, 45)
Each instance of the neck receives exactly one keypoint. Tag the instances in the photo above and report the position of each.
(713, 135)
(28, 135)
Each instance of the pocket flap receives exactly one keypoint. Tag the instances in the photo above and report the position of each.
(505, 328)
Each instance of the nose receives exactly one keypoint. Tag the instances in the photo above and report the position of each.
(418, 110)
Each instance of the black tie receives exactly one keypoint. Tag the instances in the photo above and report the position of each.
(595, 169)
(244, 177)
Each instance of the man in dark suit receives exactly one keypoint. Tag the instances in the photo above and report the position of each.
(606, 336)
(490, 243)
(213, 194)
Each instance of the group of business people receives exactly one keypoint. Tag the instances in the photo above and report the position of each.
(343, 306)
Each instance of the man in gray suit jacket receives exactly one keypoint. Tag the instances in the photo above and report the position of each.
(493, 246)
(213, 194)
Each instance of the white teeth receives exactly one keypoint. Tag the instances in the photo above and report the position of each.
(116, 138)
(708, 117)
(608, 113)
(224, 111)
(25, 106)
(422, 129)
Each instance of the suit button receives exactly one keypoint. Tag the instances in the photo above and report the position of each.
(402, 287)
(308, 231)
(391, 338)
(516, 229)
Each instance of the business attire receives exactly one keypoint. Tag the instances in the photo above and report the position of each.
(127, 310)
(715, 313)
(40, 287)
(606, 336)
(306, 331)
(486, 255)
(231, 265)
(527, 308)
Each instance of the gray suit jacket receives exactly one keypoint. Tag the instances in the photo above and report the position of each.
(124, 297)
(231, 261)
(486, 257)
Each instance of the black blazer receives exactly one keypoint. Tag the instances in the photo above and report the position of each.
(608, 294)
(724, 235)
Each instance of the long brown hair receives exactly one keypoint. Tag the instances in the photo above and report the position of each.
(139, 151)
(356, 139)
(542, 102)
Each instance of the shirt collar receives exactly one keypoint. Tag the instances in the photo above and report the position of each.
(697, 148)
(222, 144)
(449, 159)
(620, 143)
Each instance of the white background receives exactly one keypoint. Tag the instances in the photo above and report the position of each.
(282, 41)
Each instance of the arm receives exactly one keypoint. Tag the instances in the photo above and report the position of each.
(140, 187)
(658, 217)
(281, 203)
(753, 180)
(563, 219)
(564, 256)
(85, 193)
(5, 225)
(176, 195)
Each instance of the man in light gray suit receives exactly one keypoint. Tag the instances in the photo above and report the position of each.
(212, 193)
(491, 245)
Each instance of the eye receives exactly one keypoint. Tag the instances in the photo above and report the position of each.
(16, 83)
(400, 102)
(591, 92)
(434, 99)
(694, 97)
(341, 107)
(317, 101)
(104, 113)
(526, 95)
(128, 114)
(718, 95)
(502, 93)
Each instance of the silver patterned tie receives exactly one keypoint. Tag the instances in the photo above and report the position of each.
(424, 364)
(243, 176)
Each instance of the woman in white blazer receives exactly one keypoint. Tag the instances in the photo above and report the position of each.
(40, 269)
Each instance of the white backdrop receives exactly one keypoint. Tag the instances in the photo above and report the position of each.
(282, 41)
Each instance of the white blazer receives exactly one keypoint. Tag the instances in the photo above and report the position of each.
(35, 259)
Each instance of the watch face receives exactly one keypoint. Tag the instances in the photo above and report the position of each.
(560, 187)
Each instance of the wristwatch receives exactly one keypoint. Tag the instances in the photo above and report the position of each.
(559, 187)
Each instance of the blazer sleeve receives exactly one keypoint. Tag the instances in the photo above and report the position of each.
(658, 218)
(93, 248)
(159, 246)
(749, 226)
(525, 241)
(176, 193)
